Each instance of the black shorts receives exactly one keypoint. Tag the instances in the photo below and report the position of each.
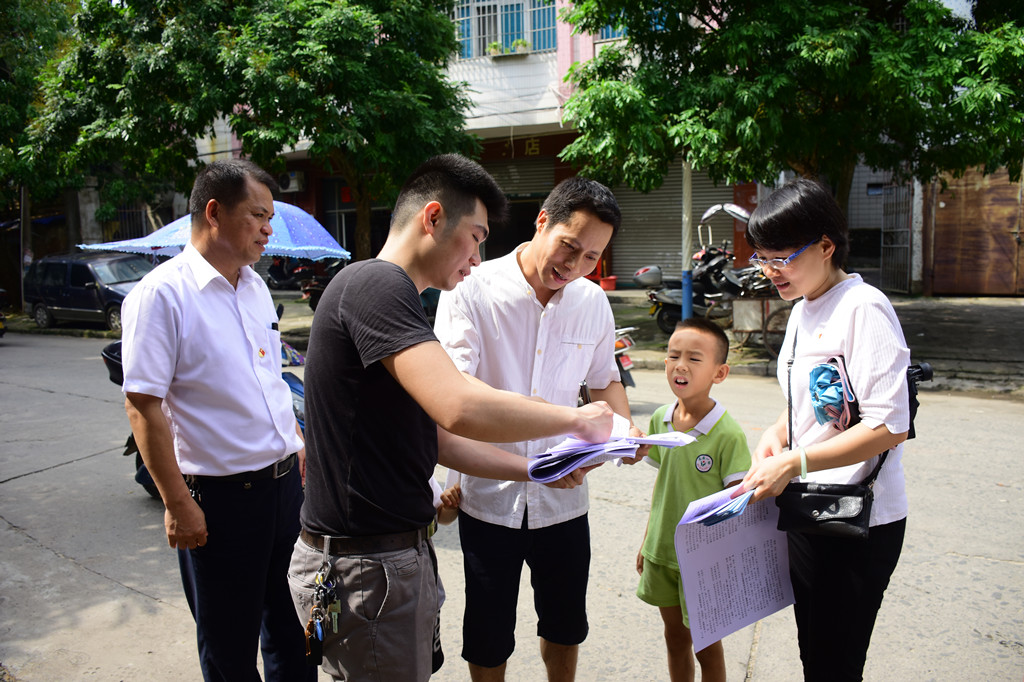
(559, 561)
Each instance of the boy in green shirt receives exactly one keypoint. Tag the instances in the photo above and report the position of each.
(697, 355)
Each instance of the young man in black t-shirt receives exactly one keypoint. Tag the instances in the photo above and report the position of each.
(384, 404)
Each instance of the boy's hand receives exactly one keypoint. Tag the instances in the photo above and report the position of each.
(641, 451)
(451, 497)
(640, 563)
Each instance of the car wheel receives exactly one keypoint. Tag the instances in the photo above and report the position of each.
(43, 317)
(114, 318)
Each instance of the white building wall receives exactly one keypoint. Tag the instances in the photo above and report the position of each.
(511, 92)
(865, 210)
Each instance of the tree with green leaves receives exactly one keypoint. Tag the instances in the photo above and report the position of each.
(31, 32)
(743, 90)
(359, 84)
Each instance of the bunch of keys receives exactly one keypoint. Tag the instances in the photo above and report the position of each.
(325, 606)
(315, 637)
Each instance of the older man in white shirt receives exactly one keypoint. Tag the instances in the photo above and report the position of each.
(529, 323)
(214, 423)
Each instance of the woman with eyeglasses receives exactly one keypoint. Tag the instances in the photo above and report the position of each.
(800, 239)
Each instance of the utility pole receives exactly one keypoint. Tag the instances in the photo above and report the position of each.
(687, 276)
(25, 229)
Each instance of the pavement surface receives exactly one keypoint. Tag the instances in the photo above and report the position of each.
(89, 590)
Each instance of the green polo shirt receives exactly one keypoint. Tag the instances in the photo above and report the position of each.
(719, 456)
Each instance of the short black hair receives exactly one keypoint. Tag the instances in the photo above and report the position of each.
(582, 194)
(799, 212)
(225, 182)
(456, 183)
(703, 324)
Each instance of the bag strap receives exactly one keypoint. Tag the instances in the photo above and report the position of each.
(870, 480)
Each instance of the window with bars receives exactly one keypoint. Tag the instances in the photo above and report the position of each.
(482, 23)
(610, 33)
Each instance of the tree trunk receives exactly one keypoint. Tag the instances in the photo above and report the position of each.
(361, 198)
(844, 185)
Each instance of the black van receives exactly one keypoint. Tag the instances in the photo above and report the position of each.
(82, 286)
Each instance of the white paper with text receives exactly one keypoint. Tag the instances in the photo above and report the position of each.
(734, 573)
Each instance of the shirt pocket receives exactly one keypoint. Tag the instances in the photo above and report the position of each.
(268, 355)
(572, 363)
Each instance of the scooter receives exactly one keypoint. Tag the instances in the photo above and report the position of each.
(715, 283)
(623, 342)
(313, 287)
(284, 275)
(111, 355)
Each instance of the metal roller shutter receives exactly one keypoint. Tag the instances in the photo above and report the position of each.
(524, 177)
(651, 232)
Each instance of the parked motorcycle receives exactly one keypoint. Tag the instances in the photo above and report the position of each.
(287, 273)
(313, 287)
(111, 355)
(623, 342)
(715, 283)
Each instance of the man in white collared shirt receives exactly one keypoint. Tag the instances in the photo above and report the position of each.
(214, 423)
(529, 323)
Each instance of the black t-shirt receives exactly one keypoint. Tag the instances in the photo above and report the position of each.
(370, 447)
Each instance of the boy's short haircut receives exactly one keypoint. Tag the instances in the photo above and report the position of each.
(225, 181)
(456, 183)
(581, 194)
(702, 324)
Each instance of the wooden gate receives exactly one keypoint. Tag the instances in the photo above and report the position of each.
(973, 237)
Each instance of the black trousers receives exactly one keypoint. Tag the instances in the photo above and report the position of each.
(237, 584)
(838, 584)
(493, 557)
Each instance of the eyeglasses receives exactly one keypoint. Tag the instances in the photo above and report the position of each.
(780, 263)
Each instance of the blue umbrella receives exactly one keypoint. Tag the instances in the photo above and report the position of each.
(296, 234)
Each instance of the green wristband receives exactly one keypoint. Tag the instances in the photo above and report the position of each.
(803, 463)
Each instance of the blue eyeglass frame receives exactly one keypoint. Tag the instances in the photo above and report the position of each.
(779, 263)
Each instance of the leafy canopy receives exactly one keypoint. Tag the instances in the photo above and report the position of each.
(31, 32)
(744, 90)
(360, 84)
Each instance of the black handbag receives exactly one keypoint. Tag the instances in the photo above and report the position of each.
(836, 509)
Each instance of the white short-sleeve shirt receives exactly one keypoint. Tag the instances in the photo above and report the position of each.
(213, 354)
(494, 328)
(855, 320)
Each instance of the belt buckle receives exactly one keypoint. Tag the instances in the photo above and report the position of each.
(282, 467)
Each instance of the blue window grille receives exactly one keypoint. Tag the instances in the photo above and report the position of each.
(479, 23)
(610, 33)
(464, 28)
(511, 24)
(542, 23)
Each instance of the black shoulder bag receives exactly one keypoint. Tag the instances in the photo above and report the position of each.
(837, 509)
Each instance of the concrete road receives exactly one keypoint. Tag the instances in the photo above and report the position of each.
(88, 588)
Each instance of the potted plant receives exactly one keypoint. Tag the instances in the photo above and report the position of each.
(520, 45)
(495, 48)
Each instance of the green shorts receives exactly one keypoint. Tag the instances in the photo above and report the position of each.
(662, 586)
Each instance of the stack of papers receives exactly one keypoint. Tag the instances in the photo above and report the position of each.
(573, 453)
(734, 573)
(716, 508)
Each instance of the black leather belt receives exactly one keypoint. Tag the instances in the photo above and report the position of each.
(366, 544)
(275, 470)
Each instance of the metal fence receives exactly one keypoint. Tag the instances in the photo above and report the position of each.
(896, 238)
